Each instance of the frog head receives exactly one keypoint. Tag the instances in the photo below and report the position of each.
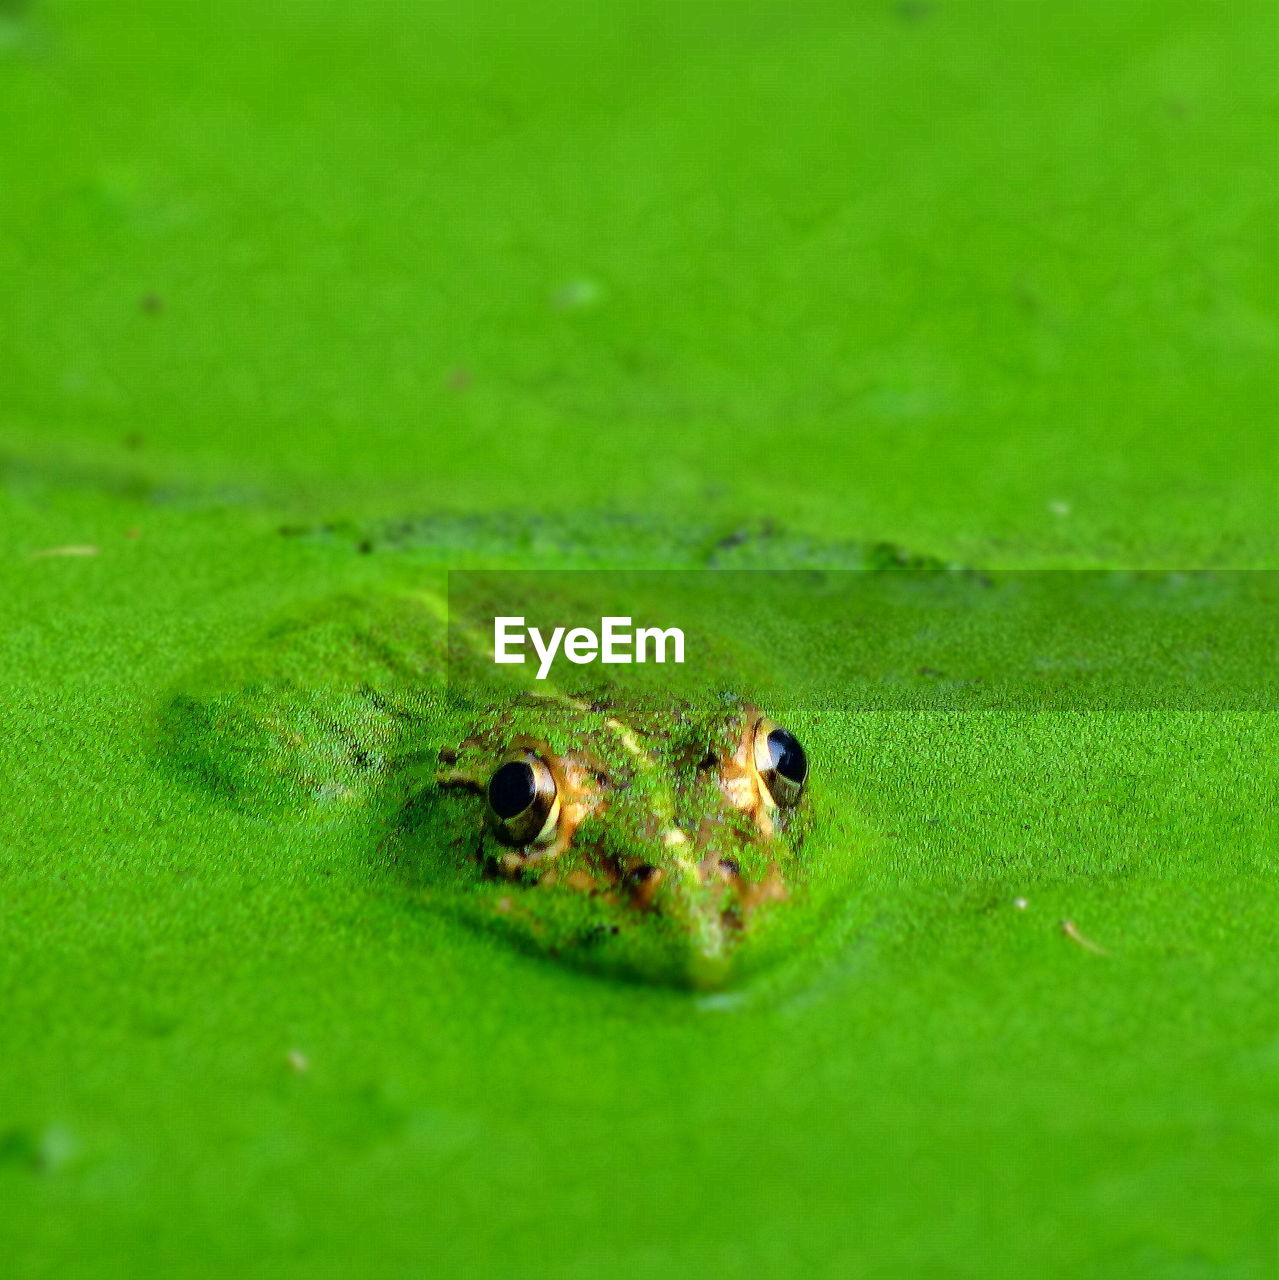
(656, 832)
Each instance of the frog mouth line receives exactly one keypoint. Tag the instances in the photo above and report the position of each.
(639, 885)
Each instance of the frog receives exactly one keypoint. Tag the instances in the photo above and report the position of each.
(651, 827)
(628, 828)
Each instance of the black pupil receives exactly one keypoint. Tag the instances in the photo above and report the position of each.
(787, 755)
(511, 789)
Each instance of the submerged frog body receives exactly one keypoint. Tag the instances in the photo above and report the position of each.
(640, 817)
(626, 830)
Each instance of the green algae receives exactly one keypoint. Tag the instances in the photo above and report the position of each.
(990, 284)
(173, 942)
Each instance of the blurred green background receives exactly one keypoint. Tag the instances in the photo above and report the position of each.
(917, 268)
(990, 281)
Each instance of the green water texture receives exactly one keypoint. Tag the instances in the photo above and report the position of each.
(305, 301)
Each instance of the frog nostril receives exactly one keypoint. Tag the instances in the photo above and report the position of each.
(644, 881)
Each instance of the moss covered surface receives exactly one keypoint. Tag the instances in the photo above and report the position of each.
(309, 302)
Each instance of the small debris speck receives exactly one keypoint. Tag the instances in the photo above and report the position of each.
(77, 549)
(1071, 930)
(133, 532)
(722, 1001)
(577, 295)
(1059, 508)
(58, 1147)
(152, 304)
(459, 379)
(1021, 903)
(298, 1061)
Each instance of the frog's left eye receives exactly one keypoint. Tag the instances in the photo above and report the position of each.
(523, 800)
(781, 763)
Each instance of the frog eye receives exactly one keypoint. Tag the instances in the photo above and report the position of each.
(781, 763)
(522, 799)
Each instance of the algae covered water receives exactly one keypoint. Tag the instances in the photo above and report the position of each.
(875, 316)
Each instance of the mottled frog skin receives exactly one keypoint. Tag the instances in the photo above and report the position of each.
(683, 821)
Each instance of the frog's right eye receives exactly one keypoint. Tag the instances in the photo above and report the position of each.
(523, 802)
(781, 763)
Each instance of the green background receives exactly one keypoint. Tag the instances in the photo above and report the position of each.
(993, 282)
